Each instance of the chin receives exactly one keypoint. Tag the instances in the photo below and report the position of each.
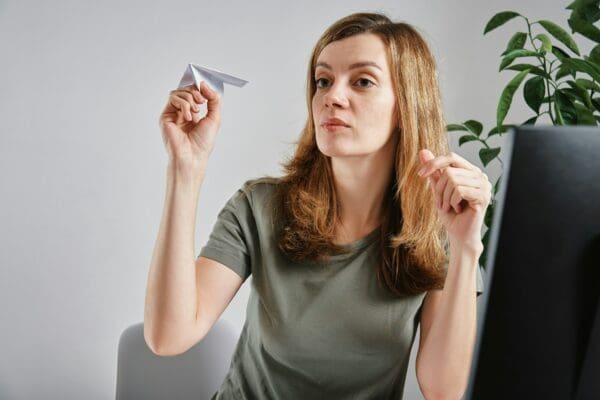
(331, 148)
(338, 152)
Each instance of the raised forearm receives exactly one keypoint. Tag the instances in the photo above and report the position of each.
(170, 304)
(445, 359)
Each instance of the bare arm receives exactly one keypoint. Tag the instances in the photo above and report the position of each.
(448, 329)
(184, 296)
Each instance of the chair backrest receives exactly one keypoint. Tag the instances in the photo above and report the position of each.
(195, 374)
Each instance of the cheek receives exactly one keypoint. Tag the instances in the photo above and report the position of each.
(384, 109)
(315, 106)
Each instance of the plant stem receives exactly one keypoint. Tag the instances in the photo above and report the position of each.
(542, 61)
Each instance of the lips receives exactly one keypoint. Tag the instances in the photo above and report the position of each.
(334, 122)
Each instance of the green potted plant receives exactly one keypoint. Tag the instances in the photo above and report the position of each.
(559, 81)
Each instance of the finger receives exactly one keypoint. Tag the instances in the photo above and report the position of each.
(184, 94)
(189, 97)
(213, 105)
(472, 196)
(198, 96)
(183, 106)
(425, 155)
(432, 184)
(450, 185)
(476, 180)
(450, 160)
(195, 92)
(465, 177)
(440, 188)
(456, 201)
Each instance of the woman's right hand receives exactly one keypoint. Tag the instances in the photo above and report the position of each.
(188, 138)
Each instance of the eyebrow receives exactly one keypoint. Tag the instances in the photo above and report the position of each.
(352, 66)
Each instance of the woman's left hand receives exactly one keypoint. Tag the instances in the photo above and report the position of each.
(461, 192)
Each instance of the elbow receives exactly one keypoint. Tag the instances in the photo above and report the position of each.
(162, 350)
(430, 394)
(433, 389)
(173, 344)
(158, 348)
(152, 344)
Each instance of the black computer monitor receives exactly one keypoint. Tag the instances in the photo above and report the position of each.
(539, 317)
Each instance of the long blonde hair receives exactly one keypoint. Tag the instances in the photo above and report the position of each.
(412, 238)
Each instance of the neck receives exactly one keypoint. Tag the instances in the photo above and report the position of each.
(361, 188)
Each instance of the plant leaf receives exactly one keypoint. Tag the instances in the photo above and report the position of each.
(588, 85)
(489, 214)
(559, 117)
(483, 258)
(474, 126)
(566, 107)
(559, 53)
(534, 92)
(498, 131)
(596, 103)
(532, 69)
(507, 96)
(466, 138)
(513, 54)
(585, 28)
(517, 41)
(583, 66)
(563, 71)
(546, 43)
(584, 115)
(497, 185)
(530, 121)
(487, 155)
(456, 127)
(581, 93)
(560, 34)
(499, 19)
(595, 54)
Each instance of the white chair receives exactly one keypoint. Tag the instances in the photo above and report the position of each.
(195, 374)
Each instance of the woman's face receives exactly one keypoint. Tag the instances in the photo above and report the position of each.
(354, 85)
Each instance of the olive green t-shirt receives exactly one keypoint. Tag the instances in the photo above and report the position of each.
(311, 331)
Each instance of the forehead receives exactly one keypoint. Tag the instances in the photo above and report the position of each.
(361, 47)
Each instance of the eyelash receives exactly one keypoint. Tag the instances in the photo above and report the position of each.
(371, 83)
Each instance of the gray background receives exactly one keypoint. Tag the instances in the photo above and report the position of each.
(82, 163)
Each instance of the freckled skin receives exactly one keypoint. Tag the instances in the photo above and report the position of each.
(363, 97)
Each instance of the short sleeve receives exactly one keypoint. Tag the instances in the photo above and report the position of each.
(233, 236)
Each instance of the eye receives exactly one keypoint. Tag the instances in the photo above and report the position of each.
(318, 81)
(365, 83)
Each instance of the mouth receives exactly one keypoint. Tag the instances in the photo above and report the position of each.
(334, 124)
(334, 127)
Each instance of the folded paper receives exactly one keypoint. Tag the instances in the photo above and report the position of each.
(194, 74)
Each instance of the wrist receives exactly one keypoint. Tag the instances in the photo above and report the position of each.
(184, 171)
(474, 247)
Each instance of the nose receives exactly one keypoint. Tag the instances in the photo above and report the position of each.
(336, 96)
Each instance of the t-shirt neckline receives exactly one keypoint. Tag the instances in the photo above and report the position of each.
(358, 243)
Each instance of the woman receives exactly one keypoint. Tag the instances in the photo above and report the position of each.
(348, 250)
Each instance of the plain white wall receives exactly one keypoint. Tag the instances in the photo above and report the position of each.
(82, 163)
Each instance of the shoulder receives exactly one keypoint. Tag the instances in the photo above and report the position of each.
(260, 189)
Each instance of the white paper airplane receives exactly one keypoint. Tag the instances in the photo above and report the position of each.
(194, 74)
